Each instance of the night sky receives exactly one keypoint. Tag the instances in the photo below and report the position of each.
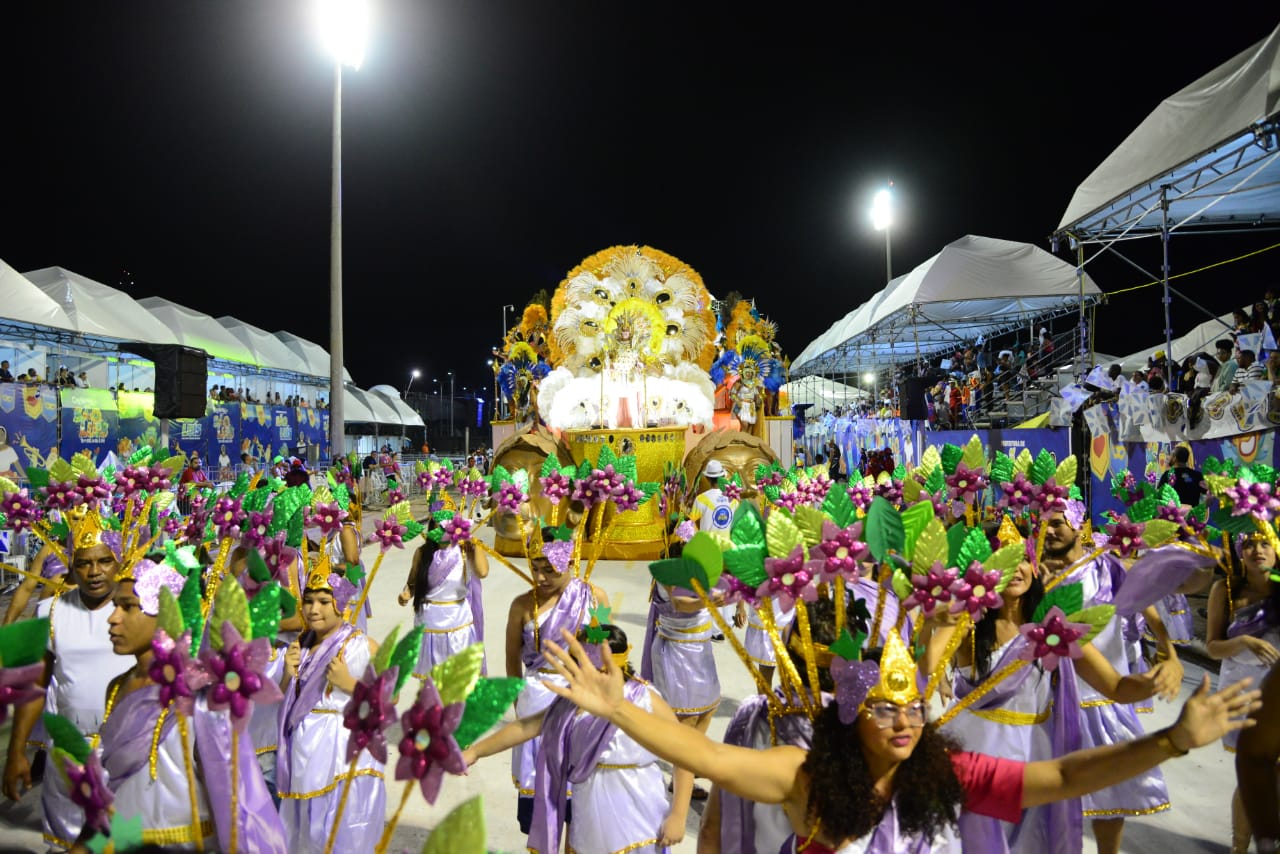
(489, 146)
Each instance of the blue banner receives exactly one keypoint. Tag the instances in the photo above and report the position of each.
(28, 427)
(90, 423)
(138, 424)
(267, 432)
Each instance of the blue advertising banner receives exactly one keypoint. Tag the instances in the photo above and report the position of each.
(191, 434)
(311, 427)
(223, 430)
(267, 431)
(138, 424)
(90, 423)
(1012, 442)
(28, 427)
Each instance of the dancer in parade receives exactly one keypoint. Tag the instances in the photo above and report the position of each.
(1244, 633)
(321, 670)
(558, 600)
(618, 798)
(905, 786)
(444, 586)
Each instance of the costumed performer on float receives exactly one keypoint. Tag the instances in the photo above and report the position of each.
(630, 344)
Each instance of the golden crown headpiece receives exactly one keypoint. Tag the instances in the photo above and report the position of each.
(897, 683)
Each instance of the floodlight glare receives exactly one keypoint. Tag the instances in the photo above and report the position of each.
(344, 26)
(881, 211)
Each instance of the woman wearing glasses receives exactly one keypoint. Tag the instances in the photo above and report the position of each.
(907, 786)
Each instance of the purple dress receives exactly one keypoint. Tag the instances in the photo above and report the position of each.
(678, 656)
(619, 799)
(1029, 715)
(1258, 621)
(752, 828)
(1102, 721)
(311, 766)
(569, 612)
(448, 614)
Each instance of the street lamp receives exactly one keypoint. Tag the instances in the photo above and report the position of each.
(870, 378)
(882, 220)
(343, 26)
(450, 404)
(413, 375)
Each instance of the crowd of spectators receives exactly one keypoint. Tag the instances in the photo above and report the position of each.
(227, 394)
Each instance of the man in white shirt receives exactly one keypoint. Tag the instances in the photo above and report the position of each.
(713, 511)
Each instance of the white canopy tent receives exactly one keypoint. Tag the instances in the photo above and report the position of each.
(408, 415)
(356, 410)
(976, 286)
(25, 302)
(270, 349)
(194, 329)
(313, 359)
(100, 310)
(379, 411)
(821, 393)
(1207, 158)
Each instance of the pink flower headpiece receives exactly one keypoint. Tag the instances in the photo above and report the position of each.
(148, 578)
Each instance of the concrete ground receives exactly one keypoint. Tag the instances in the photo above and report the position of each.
(1200, 784)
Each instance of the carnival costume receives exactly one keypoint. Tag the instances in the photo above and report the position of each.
(311, 773)
(619, 803)
(452, 612)
(679, 657)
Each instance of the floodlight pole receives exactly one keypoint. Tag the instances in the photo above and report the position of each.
(337, 426)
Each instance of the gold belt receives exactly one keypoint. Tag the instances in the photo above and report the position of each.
(175, 835)
(445, 601)
(1005, 716)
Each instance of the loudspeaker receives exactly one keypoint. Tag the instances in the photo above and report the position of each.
(911, 395)
(182, 375)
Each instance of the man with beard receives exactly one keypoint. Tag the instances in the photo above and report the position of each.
(1103, 722)
(79, 664)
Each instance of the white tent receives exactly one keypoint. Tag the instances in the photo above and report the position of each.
(313, 359)
(408, 415)
(100, 310)
(974, 286)
(195, 329)
(1209, 150)
(1199, 340)
(821, 393)
(269, 349)
(27, 303)
(355, 410)
(378, 409)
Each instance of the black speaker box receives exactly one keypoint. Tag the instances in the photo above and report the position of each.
(911, 395)
(182, 377)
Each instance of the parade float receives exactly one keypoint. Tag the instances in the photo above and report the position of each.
(632, 356)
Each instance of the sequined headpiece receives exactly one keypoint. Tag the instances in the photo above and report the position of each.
(148, 577)
(859, 683)
(321, 578)
(86, 528)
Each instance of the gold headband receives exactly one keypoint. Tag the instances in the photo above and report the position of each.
(86, 528)
(620, 658)
(821, 652)
(897, 683)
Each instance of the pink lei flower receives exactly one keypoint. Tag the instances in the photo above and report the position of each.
(510, 497)
(235, 675)
(788, 580)
(93, 490)
(227, 516)
(428, 748)
(388, 533)
(59, 495)
(456, 530)
(1125, 536)
(976, 591)
(328, 517)
(20, 510)
(169, 665)
(1255, 499)
(369, 712)
(841, 551)
(1052, 639)
(555, 486)
(932, 589)
(860, 495)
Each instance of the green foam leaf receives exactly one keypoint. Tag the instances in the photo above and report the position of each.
(1006, 557)
(1157, 532)
(781, 534)
(883, 530)
(680, 572)
(915, 519)
(24, 642)
(229, 605)
(1042, 468)
(408, 650)
(848, 647)
(458, 674)
(975, 456)
(931, 546)
(382, 658)
(975, 547)
(64, 735)
(1097, 617)
(461, 832)
(748, 528)
(169, 616)
(486, 704)
(1068, 597)
(704, 549)
(809, 520)
(746, 563)
(951, 456)
(838, 507)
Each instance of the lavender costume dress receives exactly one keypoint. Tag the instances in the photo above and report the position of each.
(678, 656)
(756, 639)
(164, 801)
(83, 666)
(752, 828)
(972, 833)
(448, 616)
(619, 797)
(311, 766)
(569, 612)
(1103, 721)
(1259, 621)
(338, 558)
(1029, 715)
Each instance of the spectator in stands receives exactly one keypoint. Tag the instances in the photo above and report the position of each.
(194, 472)
(1258, 317)
(1186, 481)
(297, 475)
(1155, 385)
(246, 462)
(31, 378)
(1046, 343)
(1269, 300)
(1248, 371)
(5, 376)
(82, 380)
(1273, 367)
(1240, 321)
(1139, 379)
(1226, 371)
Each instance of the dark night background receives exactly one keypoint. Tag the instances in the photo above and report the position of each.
(491, 146)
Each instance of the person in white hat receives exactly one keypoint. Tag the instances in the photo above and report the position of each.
(713, 511)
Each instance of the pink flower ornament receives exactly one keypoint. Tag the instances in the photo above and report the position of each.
(1053, 639)
(975, 592)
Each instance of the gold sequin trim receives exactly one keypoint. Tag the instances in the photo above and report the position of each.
(155, 742)
(447, 631)
(702, 628)
(1114, 813)
(1011, 718)
(1093, 704)
(524, 793)
(57, 840)
(325, 711)
(445, 601)
(690, 712)
(302, 796)
(569, 849)
(175, 835)
(269, 749)
(604, 766)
